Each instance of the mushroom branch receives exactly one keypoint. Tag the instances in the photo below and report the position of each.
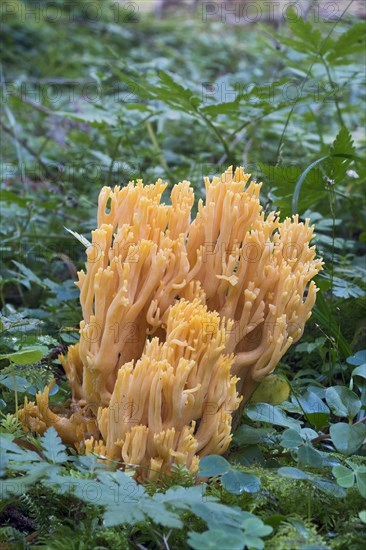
(181, 321)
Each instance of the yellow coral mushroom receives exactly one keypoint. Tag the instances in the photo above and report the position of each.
(181, 321)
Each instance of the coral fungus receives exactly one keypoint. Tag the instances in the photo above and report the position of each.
(181, 320)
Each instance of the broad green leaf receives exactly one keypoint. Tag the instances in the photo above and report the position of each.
(262, 412)
(26, 356)
(293, 473)
(344, 476)
(347, 439)
(213, 465)
(17, 383)
(315, 409)
(329, 487)
(238, 482)
(358, 358)
(359, 371)
(308, 456)
(247, 456)
(290, 439)
(342, 401)
(361, 483)
(247, 435)
(362, 516)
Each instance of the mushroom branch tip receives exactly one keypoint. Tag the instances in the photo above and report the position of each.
(182, 320)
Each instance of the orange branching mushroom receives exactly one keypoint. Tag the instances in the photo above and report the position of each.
(178, 317)
(151, 417)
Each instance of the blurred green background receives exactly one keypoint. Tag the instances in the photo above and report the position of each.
(100, 93)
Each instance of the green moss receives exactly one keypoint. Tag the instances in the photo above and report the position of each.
(287, 537)
(308, 515)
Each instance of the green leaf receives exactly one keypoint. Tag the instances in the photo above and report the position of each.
(362, 516)
(215, 539)
(256, 527)
(361, 483)
(247, 435)
(290, 439)
(262, 412)
(159, 513)
(344, 476)
(358, 358)
(17, 383)
(359, 371)
(307, 38)
(349, 43)
(308, 456)
(26, 356)
(79, 237)
(342, 401)
(337, 166)
(347, 439)
(95, 117)
(214, 513)
(314, 408)
(328, 487)
(213, 465)
(293, 473)
(53, 448)
(238, 482)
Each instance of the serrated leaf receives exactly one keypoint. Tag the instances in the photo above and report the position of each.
(18, 454)
(159, 513)
(337, 166)
(308, 38)
(95, 117)
(216, 513)
(53, 448)
(256, 527)
(349, 43)
(214, 539)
